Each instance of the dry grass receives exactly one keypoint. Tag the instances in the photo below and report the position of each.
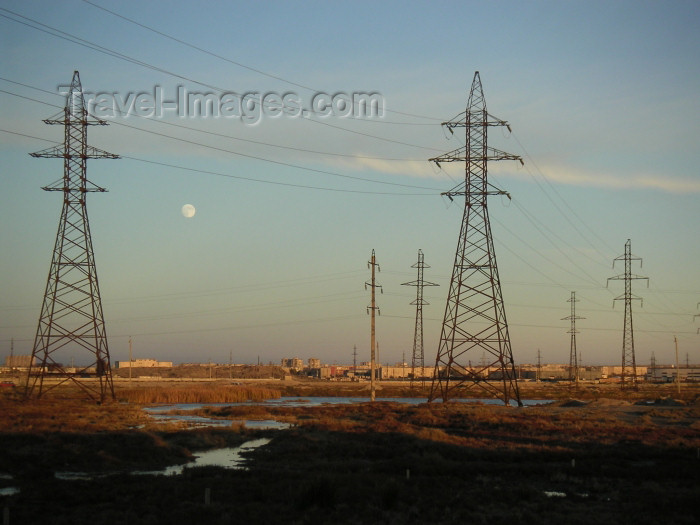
(541, 427)
(53, 414)
(67, 409)
(197, 394)
(465, 459)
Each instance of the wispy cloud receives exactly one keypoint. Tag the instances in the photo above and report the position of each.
(555, 173)
(581, 177)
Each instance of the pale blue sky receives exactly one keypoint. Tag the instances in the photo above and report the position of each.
(602, 98)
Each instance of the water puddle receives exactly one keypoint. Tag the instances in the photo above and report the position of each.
(230, 457)
(7, 491)
(554, 494)
(263, 424)
(221, 457)
(87, 476)
(162, 414)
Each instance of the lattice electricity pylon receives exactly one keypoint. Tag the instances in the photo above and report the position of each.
(573, 359)
(475, 318)
(629, 365)
(418, 352)
(71, 319)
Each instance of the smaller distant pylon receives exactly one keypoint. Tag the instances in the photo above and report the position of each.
(629, 367)
(573, 359)
(418, 359)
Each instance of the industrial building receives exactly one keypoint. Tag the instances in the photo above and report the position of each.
(144, 363)
(669, 374)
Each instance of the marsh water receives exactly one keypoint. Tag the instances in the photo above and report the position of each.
(173, 412)
(227, 457)
(232, 457)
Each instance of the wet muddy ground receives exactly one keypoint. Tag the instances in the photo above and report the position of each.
(596, 460)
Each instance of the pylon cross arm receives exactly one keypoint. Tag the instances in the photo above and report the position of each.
(460, 155)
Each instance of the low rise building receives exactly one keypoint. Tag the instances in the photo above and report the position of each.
(18, 361)
(669, 374)
(144, 363)
(293, 363)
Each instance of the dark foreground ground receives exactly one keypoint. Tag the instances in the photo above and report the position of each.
(595, 461)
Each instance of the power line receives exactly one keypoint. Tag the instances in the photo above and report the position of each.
(240, 177)
(254, 157)
(568, 206)
(239, 64)
(232, 137)
(96, 47)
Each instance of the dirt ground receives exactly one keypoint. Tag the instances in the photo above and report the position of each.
(588, 456)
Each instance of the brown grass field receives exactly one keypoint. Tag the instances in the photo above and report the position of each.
(591, 455)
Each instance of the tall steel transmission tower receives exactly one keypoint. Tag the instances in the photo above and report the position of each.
(475, 317)
(629, 365)
(418, 353)
(71, 320)
(372, 264)
(573, 357)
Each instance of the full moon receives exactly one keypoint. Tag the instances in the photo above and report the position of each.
(188, 211)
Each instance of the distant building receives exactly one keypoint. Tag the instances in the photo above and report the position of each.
(18, 361)
(293, 363)
(314, 362)
(144, 363)
(668, 374)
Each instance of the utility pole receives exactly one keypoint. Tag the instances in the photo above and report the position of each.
(653, 366)
(372, 264)
(475, 316)
(580, 364)
(678, 368)
(573, 358)
(418, 358)
(629, 366)
(539, 366)
(71, 316)
(131, 360)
